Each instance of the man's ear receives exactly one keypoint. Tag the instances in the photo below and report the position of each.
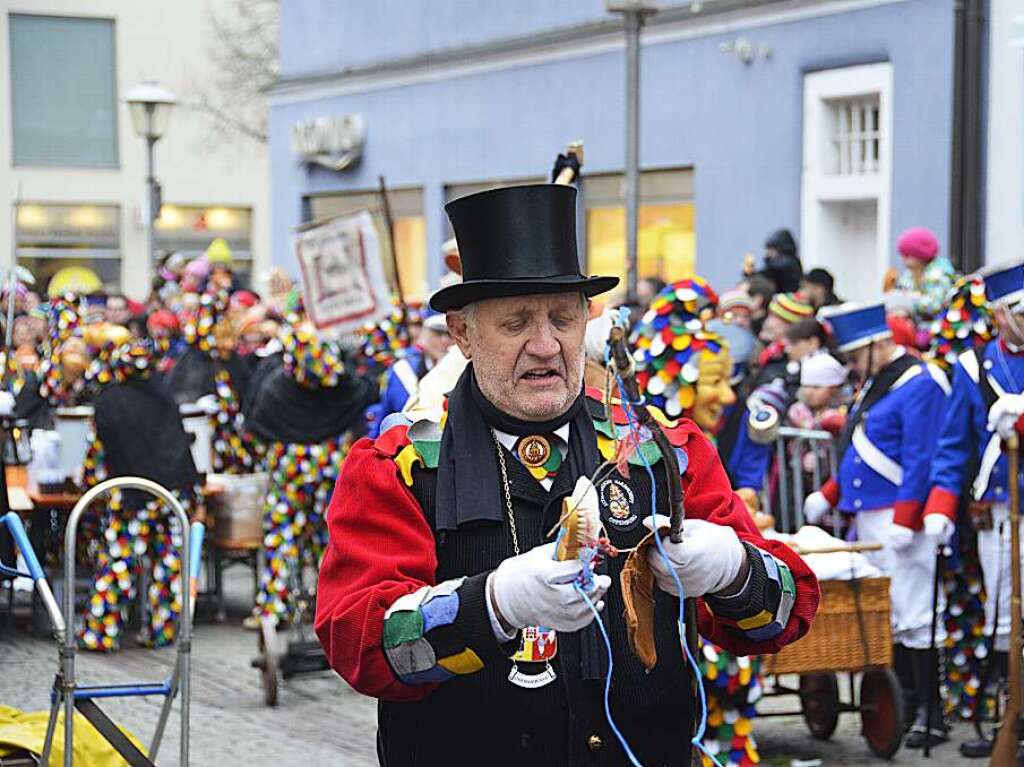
(459, 330)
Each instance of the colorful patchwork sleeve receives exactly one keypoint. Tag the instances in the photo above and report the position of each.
(386, 627)
(430, 634)
(761, 609)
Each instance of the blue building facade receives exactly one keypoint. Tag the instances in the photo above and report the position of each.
(458, 94)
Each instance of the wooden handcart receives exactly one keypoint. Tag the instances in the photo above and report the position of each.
(851, 634)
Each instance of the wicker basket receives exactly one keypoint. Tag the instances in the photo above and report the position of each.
(837, 638)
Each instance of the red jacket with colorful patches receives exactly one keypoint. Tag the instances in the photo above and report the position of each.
(382, 549)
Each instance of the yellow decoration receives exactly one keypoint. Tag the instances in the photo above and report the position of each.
(466, 662)
(405, 460)
(74, 279)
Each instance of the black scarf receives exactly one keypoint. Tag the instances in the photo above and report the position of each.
(469, 486)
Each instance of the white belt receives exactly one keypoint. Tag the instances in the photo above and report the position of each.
(406, 376)
(989, 459)
(875, 458)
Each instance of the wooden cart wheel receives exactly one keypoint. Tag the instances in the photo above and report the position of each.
(268, 660)
(819, 703)
(881, 711)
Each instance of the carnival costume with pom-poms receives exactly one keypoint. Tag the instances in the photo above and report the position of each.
(303, 404)
(963, 324)
(668, 344)
(207, 370)
(138, 432)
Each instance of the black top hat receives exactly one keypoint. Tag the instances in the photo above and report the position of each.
(516, 241)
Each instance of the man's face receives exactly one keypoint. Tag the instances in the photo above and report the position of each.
(814, 292)
(527, 351)
(435, 343)
(117, 311)
(1010, 327)
(773, 328)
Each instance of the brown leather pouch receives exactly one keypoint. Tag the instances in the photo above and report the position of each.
(637, 581)
(981, 514)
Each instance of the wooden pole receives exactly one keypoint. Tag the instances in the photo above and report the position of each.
(389, 224)
(1004, 752)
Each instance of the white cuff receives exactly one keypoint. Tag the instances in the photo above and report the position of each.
(496, 627)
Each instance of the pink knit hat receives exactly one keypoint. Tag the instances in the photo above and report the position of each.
(918, 243)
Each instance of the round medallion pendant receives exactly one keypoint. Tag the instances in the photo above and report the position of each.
(533, 451)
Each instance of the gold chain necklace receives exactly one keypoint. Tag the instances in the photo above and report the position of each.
(508, 493)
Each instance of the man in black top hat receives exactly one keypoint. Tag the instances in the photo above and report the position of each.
(442, 593)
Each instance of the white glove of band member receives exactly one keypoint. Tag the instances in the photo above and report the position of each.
(1004, 413)
(707, 560)
(208, 404)
(534, 589)
(815, 507)
(6, 403)
(900, 537)
(939, 528)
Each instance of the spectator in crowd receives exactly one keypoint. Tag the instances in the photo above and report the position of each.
(735, 307)
(760, 289)
(819, 287)
(782, 262)
(928, 276)
(647, 289)
(117, 310)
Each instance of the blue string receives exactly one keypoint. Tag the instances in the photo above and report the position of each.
(696, 740)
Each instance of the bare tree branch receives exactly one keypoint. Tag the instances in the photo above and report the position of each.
(243, 50)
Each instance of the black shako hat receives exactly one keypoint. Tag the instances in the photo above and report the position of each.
(516, 241)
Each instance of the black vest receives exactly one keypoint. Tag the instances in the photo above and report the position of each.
(483, 718)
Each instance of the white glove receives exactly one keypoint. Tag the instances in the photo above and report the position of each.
(6, 403)
(938, 527)
(815, 507)
(534, 589)
(208, 404)
(900, 537)
(707, 560)
(1003, 414)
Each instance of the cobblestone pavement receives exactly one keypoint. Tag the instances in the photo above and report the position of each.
(319, 720)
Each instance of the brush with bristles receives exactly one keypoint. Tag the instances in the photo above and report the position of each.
(580, 532)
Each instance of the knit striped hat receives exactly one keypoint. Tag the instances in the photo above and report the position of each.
(791, 307)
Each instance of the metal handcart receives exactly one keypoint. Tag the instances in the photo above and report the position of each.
(67, 692)
(851, 634)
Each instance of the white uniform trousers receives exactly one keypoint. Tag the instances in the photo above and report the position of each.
(911, 573)
(994, 555)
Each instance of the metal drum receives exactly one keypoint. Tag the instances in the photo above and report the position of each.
(237, 511)
(198, 424)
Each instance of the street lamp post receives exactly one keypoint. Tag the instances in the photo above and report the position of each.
(150, 108)
(634, 13)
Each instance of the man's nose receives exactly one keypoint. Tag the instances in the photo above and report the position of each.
(542, 343)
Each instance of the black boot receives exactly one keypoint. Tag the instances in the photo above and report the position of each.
(904, 668)
(931, 729)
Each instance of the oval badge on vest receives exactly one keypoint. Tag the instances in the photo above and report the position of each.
(617, 501)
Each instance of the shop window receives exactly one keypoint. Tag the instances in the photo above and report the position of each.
(63, 91)
(666, 245)
(410, 231)
(189, 229)
(52, 237)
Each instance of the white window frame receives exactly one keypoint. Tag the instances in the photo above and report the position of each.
(820, 185)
